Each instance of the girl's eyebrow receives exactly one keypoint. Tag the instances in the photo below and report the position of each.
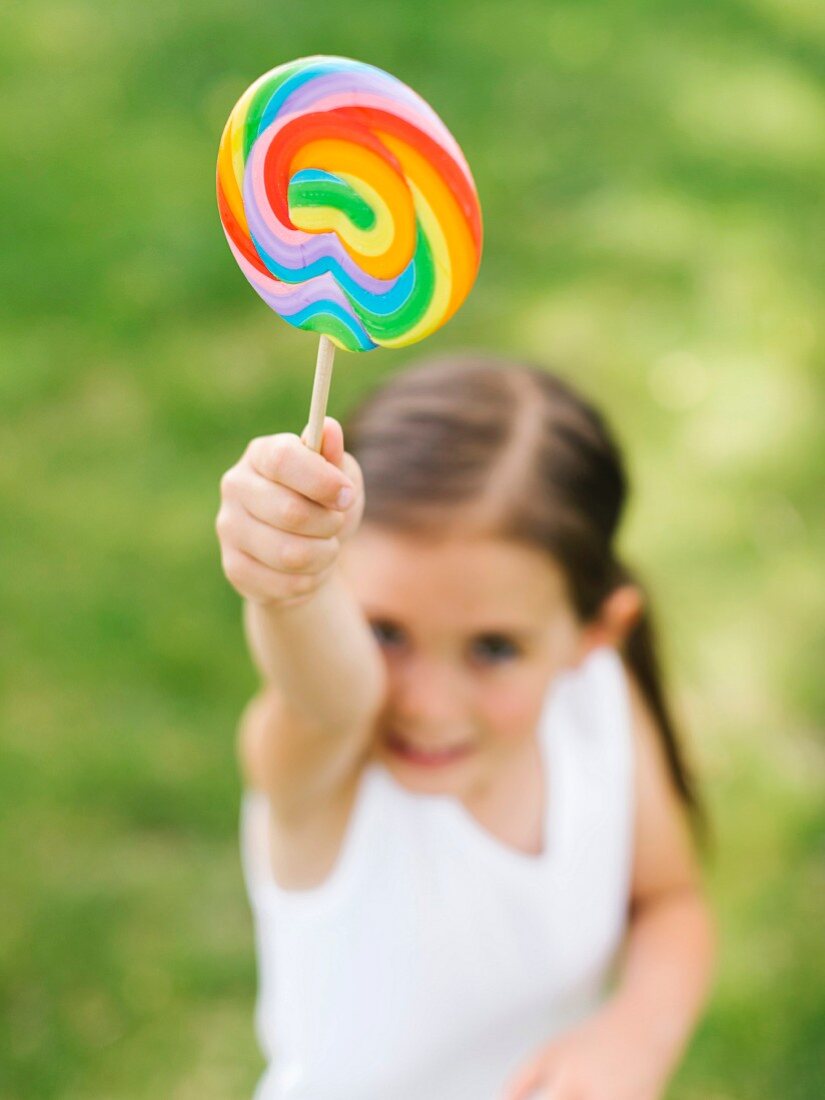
(387, 616)
(516, 633)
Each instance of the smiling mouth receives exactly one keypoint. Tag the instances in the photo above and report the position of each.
(428, 758)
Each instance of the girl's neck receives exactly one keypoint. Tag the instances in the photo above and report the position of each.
(510, 803)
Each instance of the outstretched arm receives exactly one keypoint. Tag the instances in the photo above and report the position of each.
(281, 525)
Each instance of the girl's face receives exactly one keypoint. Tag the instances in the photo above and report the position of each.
(473, 629)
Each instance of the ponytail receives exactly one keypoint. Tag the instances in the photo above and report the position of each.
(641, 653)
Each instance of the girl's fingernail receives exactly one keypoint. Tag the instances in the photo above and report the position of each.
(345, 498)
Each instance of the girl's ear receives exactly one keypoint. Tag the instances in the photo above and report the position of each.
(619, 613)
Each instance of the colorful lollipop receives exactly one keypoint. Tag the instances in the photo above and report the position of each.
(349, 207)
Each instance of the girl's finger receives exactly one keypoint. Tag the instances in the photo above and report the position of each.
(255, 581)
(560, 1087)
(283, 551)
(285, 460)
(332, 441)
(527, 1081)
(351, 468)
(287, 510)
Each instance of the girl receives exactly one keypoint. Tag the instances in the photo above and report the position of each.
(464, 828)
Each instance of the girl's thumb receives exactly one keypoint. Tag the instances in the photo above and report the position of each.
(332, 441)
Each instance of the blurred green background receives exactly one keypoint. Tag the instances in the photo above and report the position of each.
(652, 179)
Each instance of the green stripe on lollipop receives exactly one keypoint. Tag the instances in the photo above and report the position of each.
(328, 325)
(389, 326)
(307, 189)
(260, 101)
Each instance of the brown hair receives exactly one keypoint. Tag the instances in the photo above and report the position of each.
(510, 448)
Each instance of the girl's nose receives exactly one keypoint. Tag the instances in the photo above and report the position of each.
(429, 697)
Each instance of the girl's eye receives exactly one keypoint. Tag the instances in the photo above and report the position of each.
(494, 649)
(387, 634)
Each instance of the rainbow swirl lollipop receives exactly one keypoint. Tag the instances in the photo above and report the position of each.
(348, 204)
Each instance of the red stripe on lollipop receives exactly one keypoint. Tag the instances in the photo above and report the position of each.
(290, 140)
(238, 236)
(452, 173)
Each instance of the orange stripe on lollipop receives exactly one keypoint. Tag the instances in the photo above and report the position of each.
(461, 248)
(290, 139)
(329, 143)
(456, 179)
(354, 160)
(239, 237)
(227, 179)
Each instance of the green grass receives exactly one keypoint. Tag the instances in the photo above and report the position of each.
(651, 177)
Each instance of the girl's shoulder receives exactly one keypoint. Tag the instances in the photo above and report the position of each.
(593, 701)
(298, 856)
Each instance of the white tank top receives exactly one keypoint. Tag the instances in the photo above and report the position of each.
(434, 958)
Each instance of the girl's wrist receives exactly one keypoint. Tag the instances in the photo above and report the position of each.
(650, 1033)
(275, 604)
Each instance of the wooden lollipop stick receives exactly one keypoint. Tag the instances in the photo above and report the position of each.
(320, 394)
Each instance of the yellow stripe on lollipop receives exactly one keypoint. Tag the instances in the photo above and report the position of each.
(449, 234)
(367, 242)
(228, 178)
(346, 158)
(237, 127)
(436, 312)
(379, 238)
(231, 163)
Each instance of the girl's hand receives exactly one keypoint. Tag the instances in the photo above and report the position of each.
(284, 513)
(599, 1060)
